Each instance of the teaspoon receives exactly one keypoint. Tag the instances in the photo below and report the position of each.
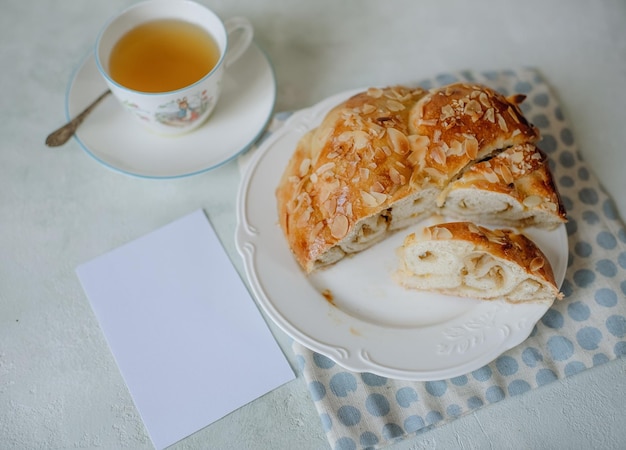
(63, 134)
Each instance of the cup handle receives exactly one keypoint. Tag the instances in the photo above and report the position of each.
(240, 33)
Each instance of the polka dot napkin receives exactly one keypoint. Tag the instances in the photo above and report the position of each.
(586, 329)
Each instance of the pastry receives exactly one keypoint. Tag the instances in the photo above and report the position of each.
(381, 160)
(463, 259)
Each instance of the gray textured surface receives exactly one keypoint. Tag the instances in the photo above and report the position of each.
(59, 386)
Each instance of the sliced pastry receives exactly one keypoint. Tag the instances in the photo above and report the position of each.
(514, 188)
(466, 260)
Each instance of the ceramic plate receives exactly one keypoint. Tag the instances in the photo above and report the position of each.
(366, 322)
(114, 138)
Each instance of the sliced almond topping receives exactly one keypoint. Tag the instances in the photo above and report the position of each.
(473, 107)
(339, 226)
(367, 108)
(506, 174)
(330, 206)
(490, 176)
(531, 201)
(375, 92)
(364, 172)
(502, 122)
(473, 228)
(325, 167)
(513, 114)
(379, 196)
(304, 166)
(394, 105)
(536, 264)
(438, 155)
(399, 141)
(471, 147)
(378, 187)
(490, 116)
(446, 112)
(456, 148)
(394, 175)
(441, 233)
(483, 98)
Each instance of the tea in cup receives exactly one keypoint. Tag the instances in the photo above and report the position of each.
(164, 61)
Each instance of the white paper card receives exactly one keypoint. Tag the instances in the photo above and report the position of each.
(186, 335)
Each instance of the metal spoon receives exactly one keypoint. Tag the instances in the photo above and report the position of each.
(63, 134)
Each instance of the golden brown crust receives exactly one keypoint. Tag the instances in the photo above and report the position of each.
(384, 148)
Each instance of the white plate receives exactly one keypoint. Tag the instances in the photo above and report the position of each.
(372, 324)
(114, 138)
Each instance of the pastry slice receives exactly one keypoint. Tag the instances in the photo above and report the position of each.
(467, 260)
(514, 189)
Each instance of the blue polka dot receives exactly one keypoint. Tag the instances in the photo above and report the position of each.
(541, 99)
(547, 143)
(413, 423)
(345, 443)
(621, 260)
(566, 136)
(567, 288)
(392, 431)
(436, 388)
(368, 439)
(373, 380)
(327, 422)
(506, 365)
(518, 387)
(568, 203)
(621, 234)
(558, 114)
(552, 319)
(583, 249)
(531, 356)
(606, 267)
(459, 381)
(560, 348)
(605, 297)
(342, 383)
(322, 361)
(523, 87)
(494, 394)
(589, 338)
(482, 374)
(599, 359)
(567, 159)
(453, 410)
(317, 390)
(570, 259)
(591, 217)
(405, 396)
(574, 367)
(606, 240)
(609, 209)
(545, 376)
(622, 286)
(433, 417)
(588, 196)
(349, 415)
(616, 325)
(584, 277)
(620, 349)
(474, 402)
(446, 78)
(571, 226)
(300, 362)
(566, 181)
(578, 311)
(583, 173)
(377, 405)
(541, 121)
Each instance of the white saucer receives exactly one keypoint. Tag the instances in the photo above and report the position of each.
(114, 138)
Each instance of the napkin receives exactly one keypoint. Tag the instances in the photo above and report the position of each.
(587, 328)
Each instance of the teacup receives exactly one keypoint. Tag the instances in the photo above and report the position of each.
(149, 57)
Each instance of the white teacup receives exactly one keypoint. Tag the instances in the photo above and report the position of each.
(182, 109)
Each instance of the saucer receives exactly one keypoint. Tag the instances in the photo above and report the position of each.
(118, 141)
